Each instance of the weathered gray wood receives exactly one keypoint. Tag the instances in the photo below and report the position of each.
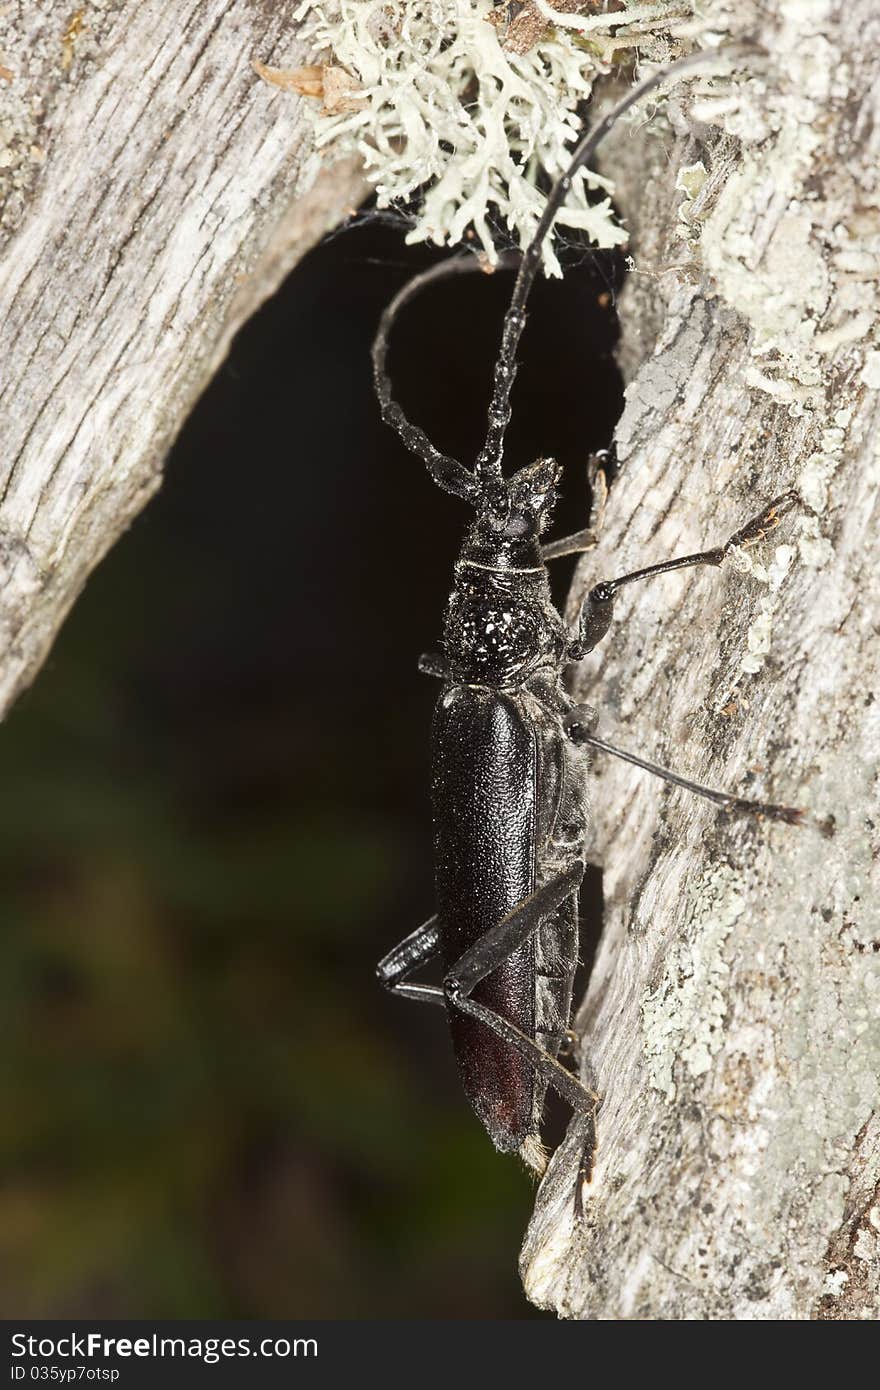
(733, 1019)
(153, 201)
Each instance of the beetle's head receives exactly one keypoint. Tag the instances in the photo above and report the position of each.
(518, 508)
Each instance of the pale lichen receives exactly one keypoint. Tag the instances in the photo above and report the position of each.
(808, 289)
(759, 635)
(456, 125)
(682, 1019)
(814, 550)
(871, 371)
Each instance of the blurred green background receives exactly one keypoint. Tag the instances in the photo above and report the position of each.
(215, 819)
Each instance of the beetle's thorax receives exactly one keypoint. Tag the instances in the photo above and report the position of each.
(501, 625)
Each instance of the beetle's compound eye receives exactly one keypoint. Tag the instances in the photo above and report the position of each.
(533, 494)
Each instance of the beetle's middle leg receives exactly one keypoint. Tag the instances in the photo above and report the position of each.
(492, 949)
(597, 610)
(579, 729)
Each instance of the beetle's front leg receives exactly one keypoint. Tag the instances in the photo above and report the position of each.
(589, 537)
(492, 949)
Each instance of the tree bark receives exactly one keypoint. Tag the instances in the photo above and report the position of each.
(731, 1022)
(153, 199)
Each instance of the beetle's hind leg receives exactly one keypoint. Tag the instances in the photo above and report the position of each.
(493, 948)
(415, 950)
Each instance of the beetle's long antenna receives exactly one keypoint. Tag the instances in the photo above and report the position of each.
(447, 472)
(488, 465)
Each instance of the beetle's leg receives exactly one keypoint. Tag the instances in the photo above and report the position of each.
(575, 544)
(415, 950)
(570, 1045)
(434, 664)
(585, 1166)
(492, 949)
(579, 730)
(598, 606)
(589, 537)
(423, 945)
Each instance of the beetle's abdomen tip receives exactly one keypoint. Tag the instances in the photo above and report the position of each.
(506, 1118)
(534, 1154)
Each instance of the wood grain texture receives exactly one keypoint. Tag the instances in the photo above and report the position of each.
(156, 192)
(732, 1021)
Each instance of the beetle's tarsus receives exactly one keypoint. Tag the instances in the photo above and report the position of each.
(586, 1167)
(760, 526)
(434, 664)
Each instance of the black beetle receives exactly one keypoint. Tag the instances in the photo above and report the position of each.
(511, 750)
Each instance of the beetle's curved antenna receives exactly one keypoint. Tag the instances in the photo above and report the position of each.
(447, 472)
(488, 462)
